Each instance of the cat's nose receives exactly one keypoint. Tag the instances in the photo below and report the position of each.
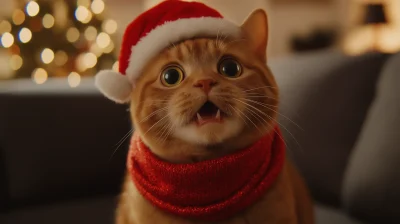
(205, 84)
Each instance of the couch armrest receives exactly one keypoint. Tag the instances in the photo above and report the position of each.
(328, 95)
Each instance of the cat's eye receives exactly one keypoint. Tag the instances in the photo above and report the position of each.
(172, 76)
(229, 67)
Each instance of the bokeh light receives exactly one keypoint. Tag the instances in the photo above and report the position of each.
(73, 34)
(48, 21)
(91, 33)
(110, 26)
(39, 76)
(97, 6)
(103, 40)
(32, 8)
(60, 58)
(89, 60)
(83, 14)
(18, 17)
(16, 62)
(5, 27)
(7, 40)
(25, 35)
(74, 79)
(47, 56)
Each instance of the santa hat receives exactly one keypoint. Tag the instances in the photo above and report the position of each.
(169, 22)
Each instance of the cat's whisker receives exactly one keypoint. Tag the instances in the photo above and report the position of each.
(271, 118)
(153, 114)
(238, 112)
(118, 145)
(163, 118)
(267, 106)
(261, 87)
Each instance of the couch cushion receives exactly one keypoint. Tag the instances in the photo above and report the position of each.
(328, 215)
(57, 142)
(98, 211)
(327, 94)
(372, 186)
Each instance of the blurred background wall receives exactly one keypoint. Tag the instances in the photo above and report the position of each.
(295, 25)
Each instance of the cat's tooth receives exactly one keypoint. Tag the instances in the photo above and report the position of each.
(199, 117)
(218, 116)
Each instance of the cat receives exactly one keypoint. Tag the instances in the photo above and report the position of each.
(206, 98)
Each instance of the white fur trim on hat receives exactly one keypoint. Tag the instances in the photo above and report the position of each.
(114, 86)
(172, 32)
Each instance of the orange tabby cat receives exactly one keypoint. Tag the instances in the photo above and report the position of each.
(231, 75)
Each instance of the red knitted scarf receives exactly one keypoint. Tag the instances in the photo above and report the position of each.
(211, 190)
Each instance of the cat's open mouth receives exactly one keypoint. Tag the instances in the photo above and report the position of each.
(208, 113)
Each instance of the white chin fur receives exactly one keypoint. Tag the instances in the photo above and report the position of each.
(209, 134)
(114, 86)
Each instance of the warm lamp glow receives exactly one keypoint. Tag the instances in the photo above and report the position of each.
(25, 35)
(7, 40)
(109, 48)
(47, 56)
(32, 8)
(39, 76)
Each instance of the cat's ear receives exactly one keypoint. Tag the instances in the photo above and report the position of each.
(255, 29)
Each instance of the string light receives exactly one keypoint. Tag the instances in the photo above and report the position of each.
(82, 14)
(48, 21)
(18, 17)
(110, 26)
(89, 60)
(32, 8)
(7, 40)
(97, 6)
(60, 58)
(5, 27)
(47, 56)
(91, 33)
(73, 34)
(25, 35)
(16, 62)
(115, 66)
(74, 79)
(103, 40)
(39, 76)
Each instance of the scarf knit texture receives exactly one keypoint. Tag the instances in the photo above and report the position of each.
(212, 190)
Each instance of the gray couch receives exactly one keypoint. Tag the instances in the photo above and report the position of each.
(56, 142)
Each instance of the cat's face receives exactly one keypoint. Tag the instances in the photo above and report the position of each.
(205, 93)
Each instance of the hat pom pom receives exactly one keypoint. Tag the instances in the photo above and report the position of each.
(114, 86)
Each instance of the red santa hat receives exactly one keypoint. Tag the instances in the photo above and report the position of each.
(169, 22)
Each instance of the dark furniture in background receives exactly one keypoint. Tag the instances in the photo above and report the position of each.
(56, 142)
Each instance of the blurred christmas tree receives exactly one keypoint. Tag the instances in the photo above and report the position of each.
(56, 38)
